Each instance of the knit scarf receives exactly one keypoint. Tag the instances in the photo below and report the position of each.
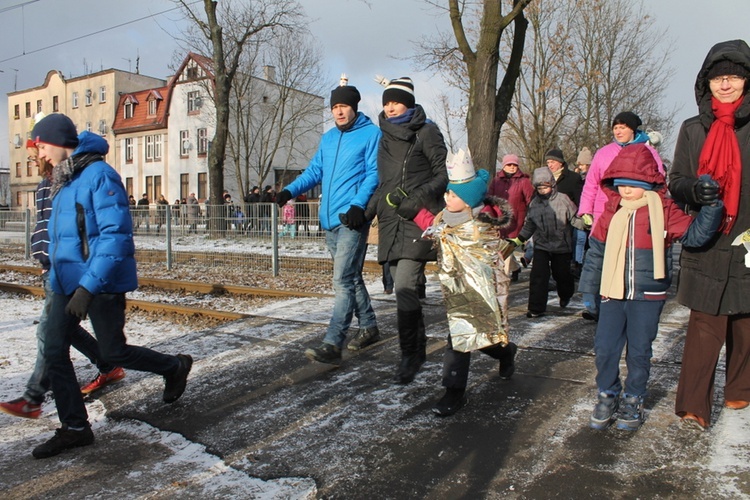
(615, 248)
(63, 171)
(720, 158)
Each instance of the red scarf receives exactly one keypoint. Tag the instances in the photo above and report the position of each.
(720, 158)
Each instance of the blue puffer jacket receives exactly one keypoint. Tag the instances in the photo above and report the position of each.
(346, 167)
(90, 229)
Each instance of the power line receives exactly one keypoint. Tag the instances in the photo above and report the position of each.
(88, 34)
(18, 5)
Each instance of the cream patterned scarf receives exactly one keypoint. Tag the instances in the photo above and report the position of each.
(615, 248)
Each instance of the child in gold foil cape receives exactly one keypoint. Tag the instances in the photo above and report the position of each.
(471, 257)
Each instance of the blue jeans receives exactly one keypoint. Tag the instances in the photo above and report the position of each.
(580, 238)
(39, 383)
(347, 248)
(634, 322)
(107, 314)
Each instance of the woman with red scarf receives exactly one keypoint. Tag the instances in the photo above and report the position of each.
(714, 280)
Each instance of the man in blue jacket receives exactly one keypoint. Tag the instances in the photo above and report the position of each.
(91, 253)
(346, 167)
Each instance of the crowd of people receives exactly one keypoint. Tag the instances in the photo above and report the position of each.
(610, 223)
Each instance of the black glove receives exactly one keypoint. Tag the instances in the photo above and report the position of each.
(283, 197)
(408, 209)
(706, 190)
(355, 217)
(396, 197)
(78, 305)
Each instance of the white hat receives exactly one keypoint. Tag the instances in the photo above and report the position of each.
(460, 167)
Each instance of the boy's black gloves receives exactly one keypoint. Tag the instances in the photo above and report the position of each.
(354, 218)
(78, 305)
(706, 190)
(283, 197)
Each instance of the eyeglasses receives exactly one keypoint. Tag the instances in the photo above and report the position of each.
(731, 79)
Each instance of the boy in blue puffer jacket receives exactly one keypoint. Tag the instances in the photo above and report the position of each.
(630, 265)
(92, 261)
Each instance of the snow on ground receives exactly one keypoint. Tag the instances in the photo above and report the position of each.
(205, 471)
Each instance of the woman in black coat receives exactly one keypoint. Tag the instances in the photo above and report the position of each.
(711, 160)
(412, 175)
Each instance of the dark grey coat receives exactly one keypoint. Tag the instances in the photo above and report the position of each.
(412, 157)
(713, 279)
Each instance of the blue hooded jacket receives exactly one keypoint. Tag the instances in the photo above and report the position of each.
(90, 229)
(346, 167)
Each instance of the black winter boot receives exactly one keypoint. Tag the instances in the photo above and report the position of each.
(409, 341)
(453, 400)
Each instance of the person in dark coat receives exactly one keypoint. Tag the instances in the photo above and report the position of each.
(550, 221)
(714, 280)
(629, 265)
(412, 175)
(567, 181)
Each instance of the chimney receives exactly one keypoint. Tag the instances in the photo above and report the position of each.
(269, 73)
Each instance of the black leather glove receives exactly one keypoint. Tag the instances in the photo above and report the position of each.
(706, 190)
(283, 197)
(355, 217)
(78, 305)
(408, 209)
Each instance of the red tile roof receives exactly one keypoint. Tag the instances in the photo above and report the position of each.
(141, 120)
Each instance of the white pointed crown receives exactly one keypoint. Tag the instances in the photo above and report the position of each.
(460, 167)
(344, 80)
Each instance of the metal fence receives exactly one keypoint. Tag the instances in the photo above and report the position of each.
(257, 237)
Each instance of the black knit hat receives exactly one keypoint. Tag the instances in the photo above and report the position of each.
(555, 154)
(55, 129)
(346, 94)
(629, 119)
(725, 68)
(400, 90)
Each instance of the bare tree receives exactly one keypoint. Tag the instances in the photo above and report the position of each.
(228, 32)
(273, 116)
(488, 104)
(587, 61)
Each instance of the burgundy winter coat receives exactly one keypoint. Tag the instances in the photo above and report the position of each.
(517, 189)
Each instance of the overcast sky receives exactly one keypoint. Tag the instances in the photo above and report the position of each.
(361, 38)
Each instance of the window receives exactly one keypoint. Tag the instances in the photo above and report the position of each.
(18, 169)
(74, 100)
(128, 110)
(202, 186)
(157, 187)
(129, 150)
(149, 148)
(19, 199)
(192, 73)
(28, 110)
(157, 147)
(184, 185)
(150, 188)
(184, 143)
(89, 98)
(17, 112)
(202, 141)
(88, 126)
(194, 102)
(129, 186)
(103, 129)
(152, 104)
(55, 104)
(29, 167)
(17, 141)
(39, 106)
(102, 94)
